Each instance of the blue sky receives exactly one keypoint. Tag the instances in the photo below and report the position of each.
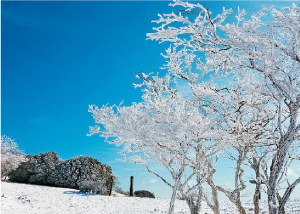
(60, 57)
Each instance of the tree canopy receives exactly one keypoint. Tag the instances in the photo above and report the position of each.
(244, 79)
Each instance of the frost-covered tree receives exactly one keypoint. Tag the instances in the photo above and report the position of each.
(11, 156)
(268, 50)
(165, 129)
(253, 113)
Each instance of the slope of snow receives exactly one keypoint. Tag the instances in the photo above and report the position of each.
(34, 199)
(24, 198)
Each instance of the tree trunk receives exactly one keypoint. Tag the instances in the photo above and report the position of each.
(286, 195)
(194, 207)
(199, 199)
(275, 170)
(278, 160)
(240, 208)
(256, 195)
(194, 201)
(215, 207)
(235, 196)
(279, 200)
(172, 201)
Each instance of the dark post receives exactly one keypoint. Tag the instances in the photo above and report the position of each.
(111, 185)
(131, 186)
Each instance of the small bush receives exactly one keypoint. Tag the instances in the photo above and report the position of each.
(95, 187)
(144, 194)
(121, 191)
(11, 156)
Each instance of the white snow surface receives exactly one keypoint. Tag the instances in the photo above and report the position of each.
(19, 198)
(25, 198)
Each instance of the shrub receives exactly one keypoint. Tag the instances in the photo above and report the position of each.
(36, 169)
(11, 156)
(84, 173)
(144, 194)
(80, 172)
(22, 173)
(95, 187)
(121, 191)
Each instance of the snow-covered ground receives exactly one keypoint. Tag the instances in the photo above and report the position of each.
(24, 198)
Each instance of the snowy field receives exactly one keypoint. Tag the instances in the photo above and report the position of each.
(24, 198)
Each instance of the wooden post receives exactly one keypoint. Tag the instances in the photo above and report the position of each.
(111, 185)
(131, 186)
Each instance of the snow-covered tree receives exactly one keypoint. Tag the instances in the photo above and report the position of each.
(248, 115)
(268, 50)
(165, 129)
(254, 112)
(11, 156)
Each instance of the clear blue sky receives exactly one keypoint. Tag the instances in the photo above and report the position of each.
(60, 57)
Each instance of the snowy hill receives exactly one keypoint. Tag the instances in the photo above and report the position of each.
(24, 198)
